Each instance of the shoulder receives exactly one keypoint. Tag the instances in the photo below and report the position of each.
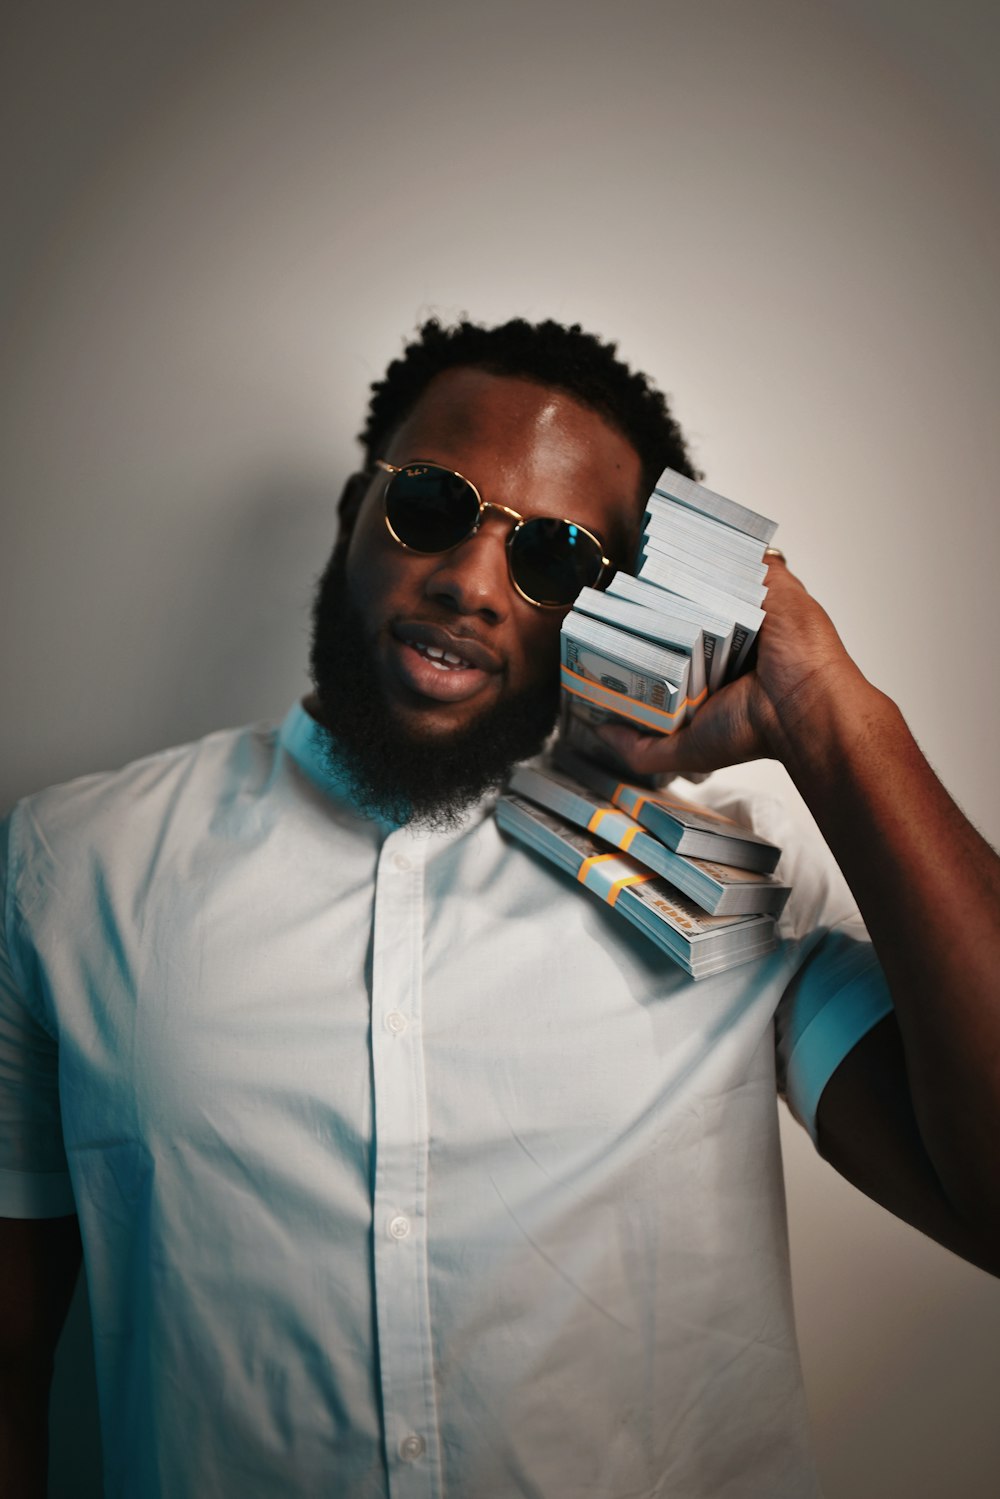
(217, 756)
(762, 796)
(111, 811)
(836, 993)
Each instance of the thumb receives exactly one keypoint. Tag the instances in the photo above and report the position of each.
(653, 754)
(720, 734)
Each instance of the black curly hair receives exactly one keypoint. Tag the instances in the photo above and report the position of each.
(567, 359)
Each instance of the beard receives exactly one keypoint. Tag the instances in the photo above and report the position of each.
(394, 771)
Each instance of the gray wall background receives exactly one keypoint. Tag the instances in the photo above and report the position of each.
(223, 218)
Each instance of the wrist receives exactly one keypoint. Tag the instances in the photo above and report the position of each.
(830, 721)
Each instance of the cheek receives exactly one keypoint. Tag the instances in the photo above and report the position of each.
(538, 654)
(377, 569)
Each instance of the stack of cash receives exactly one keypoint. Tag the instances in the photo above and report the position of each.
(650, 649)
(708, 916)
(648, 652)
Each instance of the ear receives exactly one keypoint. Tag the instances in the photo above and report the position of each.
(349, 504)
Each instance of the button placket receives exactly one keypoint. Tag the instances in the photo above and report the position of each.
(400, 1178)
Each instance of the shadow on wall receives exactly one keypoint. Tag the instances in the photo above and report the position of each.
(235, 646)
(210, 628)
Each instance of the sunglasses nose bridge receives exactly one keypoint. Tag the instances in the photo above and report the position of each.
(503, 509)
(474, 573)
(511, 519)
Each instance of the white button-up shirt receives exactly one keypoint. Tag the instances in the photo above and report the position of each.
(403, 1165)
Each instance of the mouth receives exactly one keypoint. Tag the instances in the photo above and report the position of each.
(434, 663)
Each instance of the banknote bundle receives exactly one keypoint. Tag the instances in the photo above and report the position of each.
(648, 652)
(701, 942)
(683, 826)
(724, 877)
(650, 649)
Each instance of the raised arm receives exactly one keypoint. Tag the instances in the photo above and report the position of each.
(928, 887)
(39, 1263)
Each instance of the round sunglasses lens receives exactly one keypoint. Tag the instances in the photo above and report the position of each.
(430, 509)
(551, 560)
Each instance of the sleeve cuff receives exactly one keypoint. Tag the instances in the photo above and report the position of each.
(832, 1032)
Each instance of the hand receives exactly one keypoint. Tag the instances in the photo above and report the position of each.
(801, 661)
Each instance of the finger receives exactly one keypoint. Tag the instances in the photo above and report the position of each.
(626, 742)
(779, 574)
(653, 754)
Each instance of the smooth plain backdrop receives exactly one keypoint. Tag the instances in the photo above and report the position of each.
(221, 221)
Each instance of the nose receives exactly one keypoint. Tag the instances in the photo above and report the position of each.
(472, 578)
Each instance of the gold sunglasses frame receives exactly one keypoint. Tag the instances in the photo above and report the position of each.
(391, 469)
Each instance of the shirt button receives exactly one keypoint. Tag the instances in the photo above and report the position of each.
(396, 1022)
(412, 1447)
(399, 1227)
(401, 861)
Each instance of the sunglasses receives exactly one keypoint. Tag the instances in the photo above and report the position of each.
(432, 509)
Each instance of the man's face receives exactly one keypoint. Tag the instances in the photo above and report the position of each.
(524, 446)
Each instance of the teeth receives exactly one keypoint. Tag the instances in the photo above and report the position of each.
(444, 660)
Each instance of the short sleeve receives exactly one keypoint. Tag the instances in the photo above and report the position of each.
(34, 1181)
(835, 998)
(836, 991)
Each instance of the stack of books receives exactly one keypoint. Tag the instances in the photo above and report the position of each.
(696, 882)
(650, 649)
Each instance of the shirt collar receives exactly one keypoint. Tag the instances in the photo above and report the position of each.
(305, 741)
(313, 752)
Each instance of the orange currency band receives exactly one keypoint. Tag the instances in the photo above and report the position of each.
(659, 800)
(619, 885)
(689, 702)
(618, 794)
(594, 824)
(588, 865)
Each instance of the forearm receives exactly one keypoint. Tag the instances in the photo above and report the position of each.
(928, 887)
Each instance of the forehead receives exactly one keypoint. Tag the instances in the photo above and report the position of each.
(528, 446)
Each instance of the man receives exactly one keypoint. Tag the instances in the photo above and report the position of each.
(401, 1166)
